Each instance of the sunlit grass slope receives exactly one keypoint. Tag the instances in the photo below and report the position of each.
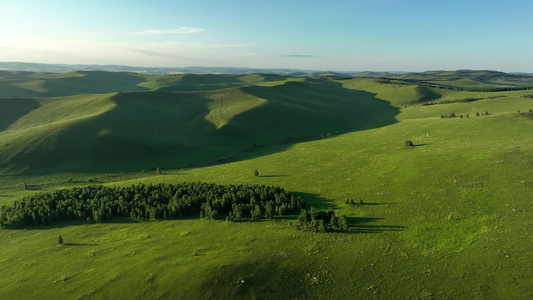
(139, 130)
(446, 219)
(193, 82)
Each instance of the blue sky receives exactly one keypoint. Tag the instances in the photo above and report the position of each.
(344, 35)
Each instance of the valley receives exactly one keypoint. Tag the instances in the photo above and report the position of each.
(447, 218)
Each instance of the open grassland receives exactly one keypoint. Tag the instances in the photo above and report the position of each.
(446, 219)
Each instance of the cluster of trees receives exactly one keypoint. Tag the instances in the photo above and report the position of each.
(433, 84)
(453, 115)
(321, 220)
(488, 89)
(151, 202)
(528, 96)
(461, 100)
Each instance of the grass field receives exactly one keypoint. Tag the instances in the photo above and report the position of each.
(446, 219)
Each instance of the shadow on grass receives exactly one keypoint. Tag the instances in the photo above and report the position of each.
(360, 225)
(12, 109)
(273, 176)
(86, 181)
(375, 203)
(63, 224)
(79, 244)
(316, 201)
(121, 220)
(33, 187)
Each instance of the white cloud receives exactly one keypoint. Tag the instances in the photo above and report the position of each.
(298, 55)
(246, 54)
(223, 46)
(180, 30)
(90, 51)
(187, 45)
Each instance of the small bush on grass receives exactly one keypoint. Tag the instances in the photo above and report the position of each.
(321, 220)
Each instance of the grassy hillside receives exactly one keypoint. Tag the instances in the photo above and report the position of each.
(193, 82)
(168, 129)
(445, 219)
(12, 84)
(30, 84)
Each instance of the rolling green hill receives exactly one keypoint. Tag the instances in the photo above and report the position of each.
(170, 129)
(66, 84)
(31, 84)
(448, 218)
(193, 82)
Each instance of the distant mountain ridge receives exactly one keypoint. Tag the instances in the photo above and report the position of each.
(433, 74)
(63, 68)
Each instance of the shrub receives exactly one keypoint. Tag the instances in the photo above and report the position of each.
(354, 202)
(321, 220)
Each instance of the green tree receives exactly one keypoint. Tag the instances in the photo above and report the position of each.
(60, 240)
(257, 213)
(256, 173)
(343, 222)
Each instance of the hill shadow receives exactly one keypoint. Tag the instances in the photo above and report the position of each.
(426, 94)
(298, 112)
(92, 82)
(141, 127)
(361, 225)
(211, 82)
(12, 109)
(313, 108)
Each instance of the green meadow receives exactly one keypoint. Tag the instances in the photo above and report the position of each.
(448, 218)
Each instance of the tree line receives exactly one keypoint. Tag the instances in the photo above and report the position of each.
(97, 203)
(423, 83)
(461, 100)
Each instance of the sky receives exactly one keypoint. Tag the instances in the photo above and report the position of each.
(340, 35)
